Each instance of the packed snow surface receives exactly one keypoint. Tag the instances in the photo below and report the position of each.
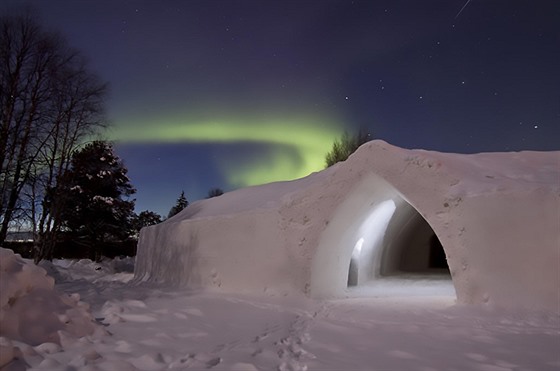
(147, 327)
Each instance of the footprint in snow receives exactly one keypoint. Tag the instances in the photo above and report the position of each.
(260, 337)
(180, 315)
(123, 347)
(243, 367)
(135, 303)
(137, 318)
(402, 354)
(213, 362)
(194, 312)
(198, 361)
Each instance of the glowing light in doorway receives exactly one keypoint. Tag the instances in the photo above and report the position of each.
(371, 233)
(357, 248)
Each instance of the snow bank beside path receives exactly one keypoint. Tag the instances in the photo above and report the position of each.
(33, 312)
(117, 269)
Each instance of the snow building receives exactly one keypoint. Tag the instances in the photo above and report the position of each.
(489, 221)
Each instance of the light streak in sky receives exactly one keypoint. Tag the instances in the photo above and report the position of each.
(463, 8)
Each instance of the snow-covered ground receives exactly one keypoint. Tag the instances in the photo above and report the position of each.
(395, 325)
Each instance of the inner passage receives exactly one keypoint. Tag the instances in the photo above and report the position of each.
(411, 246)
(409, 254)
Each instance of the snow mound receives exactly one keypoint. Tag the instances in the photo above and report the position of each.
(31, 311)
(117, 269)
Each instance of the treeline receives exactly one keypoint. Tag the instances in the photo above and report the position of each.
(71, 191)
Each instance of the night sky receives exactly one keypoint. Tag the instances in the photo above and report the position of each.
(233, 93)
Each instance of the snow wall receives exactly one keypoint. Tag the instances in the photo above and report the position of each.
(496, 215)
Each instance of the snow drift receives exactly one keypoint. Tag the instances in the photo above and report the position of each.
(31, 311)
(382, 213)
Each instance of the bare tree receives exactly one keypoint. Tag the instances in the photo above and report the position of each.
(214, 192)
(78, 113)
(23, 90)
(50, 104)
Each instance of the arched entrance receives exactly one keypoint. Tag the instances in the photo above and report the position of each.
(374, 238)
(411, 246)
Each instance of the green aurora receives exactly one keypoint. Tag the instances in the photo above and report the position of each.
(296, 147)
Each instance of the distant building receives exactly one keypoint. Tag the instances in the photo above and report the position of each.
(19, 236)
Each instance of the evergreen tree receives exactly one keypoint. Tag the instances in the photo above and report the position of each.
(179, 205)
(345, 146)
(144, 219)
(95, 191)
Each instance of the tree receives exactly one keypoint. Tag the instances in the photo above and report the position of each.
(215, 192)
(179, 205)
(342, 148)
(49, 104)
(93, 197)
(144, 219)
(79, 115)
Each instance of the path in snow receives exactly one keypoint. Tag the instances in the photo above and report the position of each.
(155, 328)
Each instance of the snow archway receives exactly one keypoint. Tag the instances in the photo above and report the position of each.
(375, 233)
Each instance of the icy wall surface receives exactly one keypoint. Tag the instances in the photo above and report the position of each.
(496, 215)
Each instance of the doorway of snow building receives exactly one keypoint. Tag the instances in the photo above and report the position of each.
(377, 244)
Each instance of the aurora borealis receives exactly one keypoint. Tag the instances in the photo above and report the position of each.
(295, 146)
(229, 93)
